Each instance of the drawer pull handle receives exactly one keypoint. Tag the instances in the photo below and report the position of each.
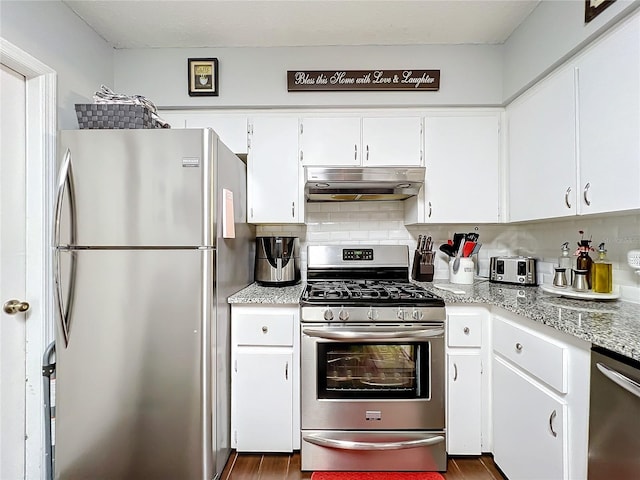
(518, 347)
(551, 419)
(265, 329)
(466, 330)
(455, 372)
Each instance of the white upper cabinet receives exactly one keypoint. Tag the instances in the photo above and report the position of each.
(609, 122)
(330, 141)
(395, 141)
(361, 141)
(542, 152)
(231, 128)
(573, 138)
(274, 192)
(462, 158)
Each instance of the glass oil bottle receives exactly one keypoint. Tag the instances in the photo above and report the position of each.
(602, 272)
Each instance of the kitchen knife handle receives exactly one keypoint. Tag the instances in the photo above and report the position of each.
(566, 197)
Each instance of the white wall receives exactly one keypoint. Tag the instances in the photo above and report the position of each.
(257, 77)
(53, 34)
(554, 31)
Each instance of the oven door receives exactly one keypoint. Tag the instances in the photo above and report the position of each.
(373, 377)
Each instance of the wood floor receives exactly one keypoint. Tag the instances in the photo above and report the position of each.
(243, 466)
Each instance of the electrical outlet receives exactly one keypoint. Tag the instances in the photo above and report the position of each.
(633, 257)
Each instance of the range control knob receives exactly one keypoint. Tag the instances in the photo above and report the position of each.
(417, 315)
(343, 315)
(400, 314)
(372, 314)
(328, 315)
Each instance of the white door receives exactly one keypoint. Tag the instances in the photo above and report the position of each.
(12, 273)
(27, 117)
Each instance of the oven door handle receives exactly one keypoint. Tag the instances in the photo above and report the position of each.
(323, 441)
(351, 335)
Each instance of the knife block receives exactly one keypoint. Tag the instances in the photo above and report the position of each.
(422, 271)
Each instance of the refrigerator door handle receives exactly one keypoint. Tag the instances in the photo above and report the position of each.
(65, 179)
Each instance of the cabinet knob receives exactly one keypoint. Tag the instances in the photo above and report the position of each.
(466, 330)
(519, 347)
(265, 329)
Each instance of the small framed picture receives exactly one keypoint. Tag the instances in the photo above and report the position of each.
(593, 8)
(203, 77)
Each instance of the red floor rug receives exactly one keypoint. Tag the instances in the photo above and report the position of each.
(376, 476)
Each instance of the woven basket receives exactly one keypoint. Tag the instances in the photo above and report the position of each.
(114, 115)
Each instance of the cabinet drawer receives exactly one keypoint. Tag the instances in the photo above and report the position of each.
(464, 330)
(542, 357)
(264, 330)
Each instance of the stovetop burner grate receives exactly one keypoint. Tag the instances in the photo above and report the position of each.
(366, 292)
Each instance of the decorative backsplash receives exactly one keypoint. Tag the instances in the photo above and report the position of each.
(383, 223)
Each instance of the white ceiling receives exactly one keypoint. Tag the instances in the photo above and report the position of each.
(267, 23)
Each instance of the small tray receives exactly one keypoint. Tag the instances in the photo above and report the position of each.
(571, 293)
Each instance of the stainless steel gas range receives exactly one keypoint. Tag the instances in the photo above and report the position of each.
(372, 373)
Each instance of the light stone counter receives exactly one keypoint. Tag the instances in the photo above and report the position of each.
(255, 293)
(614, 325)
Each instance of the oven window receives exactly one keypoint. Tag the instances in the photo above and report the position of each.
(373, 370)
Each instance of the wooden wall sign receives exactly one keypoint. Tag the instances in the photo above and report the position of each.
(362, 80)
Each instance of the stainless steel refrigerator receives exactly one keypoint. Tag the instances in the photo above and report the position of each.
(143, 267)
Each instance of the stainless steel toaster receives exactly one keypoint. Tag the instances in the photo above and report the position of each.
(518, 270)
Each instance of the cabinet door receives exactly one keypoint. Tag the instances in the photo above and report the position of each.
(263, 400)
(464, 413)
(609, 122)
(232, 129)
(529, 427)
(392, 141)
(273, 188)
(542, 150)
(462, 157)
(330, 141)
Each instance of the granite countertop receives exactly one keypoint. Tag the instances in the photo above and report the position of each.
(255, 293)
(614, 325)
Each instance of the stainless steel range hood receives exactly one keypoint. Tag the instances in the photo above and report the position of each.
(348, 184)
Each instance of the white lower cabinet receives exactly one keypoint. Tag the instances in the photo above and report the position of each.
(264, 400)
(529, 426)
(540, 398)
(265, 378)
(466, 385)
(464, 415)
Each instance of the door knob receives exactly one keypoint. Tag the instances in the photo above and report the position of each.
(15, 306)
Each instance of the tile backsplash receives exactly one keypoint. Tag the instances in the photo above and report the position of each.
(383, 223)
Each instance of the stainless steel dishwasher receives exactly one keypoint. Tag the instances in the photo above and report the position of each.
(614, 417)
